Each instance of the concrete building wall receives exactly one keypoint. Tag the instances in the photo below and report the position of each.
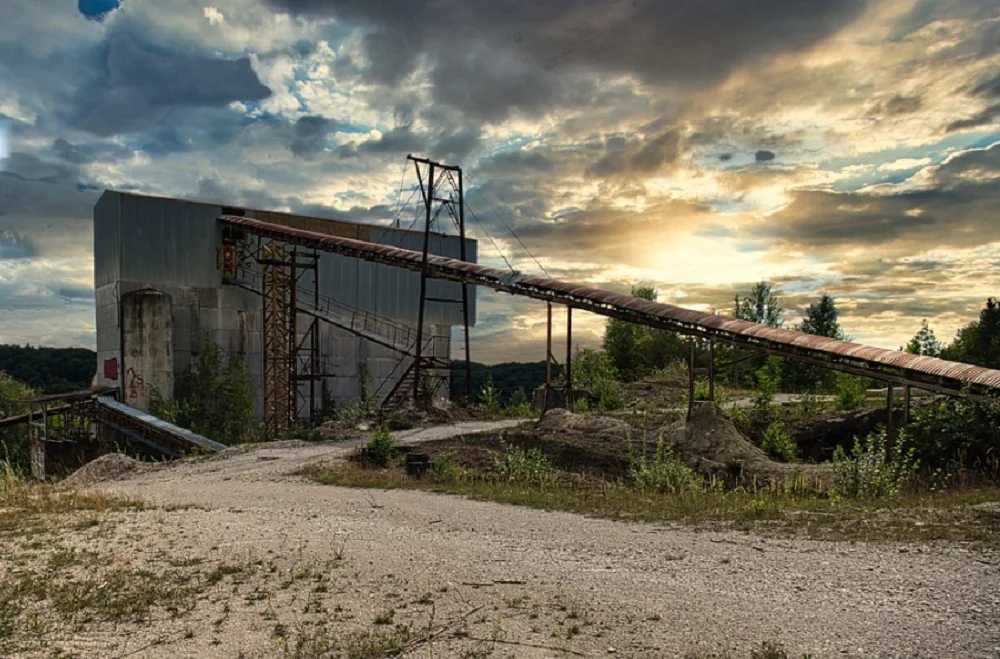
(169, 247)
(148, 333)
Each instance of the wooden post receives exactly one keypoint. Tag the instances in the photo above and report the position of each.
(691, 380)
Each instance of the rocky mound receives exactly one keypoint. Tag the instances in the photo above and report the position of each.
(711, 444)
(564, 421)
(110, 467)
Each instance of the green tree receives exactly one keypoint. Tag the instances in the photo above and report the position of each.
(979, 342)
(14, 440)
(760, 306)
(594, 371)
(821, 319)
(924, 342)
(636, 350)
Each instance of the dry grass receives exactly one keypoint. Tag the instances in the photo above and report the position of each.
(967, 516)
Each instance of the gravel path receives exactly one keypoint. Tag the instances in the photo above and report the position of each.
(629, 589)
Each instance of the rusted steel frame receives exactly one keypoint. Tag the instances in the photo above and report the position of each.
(711, 370)
(889, 409)
(690, 379)
(906, 405)
(429, 201)
(465, 289)
(569, 358)
(974, 382)
(548, 360)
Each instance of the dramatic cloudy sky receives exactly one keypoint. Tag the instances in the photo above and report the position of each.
(846, 146)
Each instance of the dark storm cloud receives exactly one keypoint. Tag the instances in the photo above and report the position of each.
(515, 54)
(956, 209)
(903, 105)
(990, 89)
(143, 86)
(310, 135)
(636, 155)
(83, 154)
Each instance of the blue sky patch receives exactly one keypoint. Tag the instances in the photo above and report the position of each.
(97, 9)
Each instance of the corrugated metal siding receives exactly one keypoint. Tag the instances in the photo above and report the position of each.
(107, 240)
(168, 241)
(399, 290)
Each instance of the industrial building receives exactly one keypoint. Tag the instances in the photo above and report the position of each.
(168, 281)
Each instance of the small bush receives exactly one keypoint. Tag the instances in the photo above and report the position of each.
(768, 380)
(519, 466)
(663, 471)
(873, 469)
(489, 396)
(445, 470)
(395, 423)
(521, 410)
(701, 392)
(739, 416)
(851, 392)
(810, 404)
(381, 447)
(778, 443)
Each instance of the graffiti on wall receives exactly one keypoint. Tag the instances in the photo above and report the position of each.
(135, 386)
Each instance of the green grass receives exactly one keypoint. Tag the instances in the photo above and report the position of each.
(788, 509)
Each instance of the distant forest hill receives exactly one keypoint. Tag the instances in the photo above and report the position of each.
(49, 370)
(507, 377)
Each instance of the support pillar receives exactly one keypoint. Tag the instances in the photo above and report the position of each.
(548, 361)
(428, 202)
(690, 380)
(569, 358)
(906, 406)
(889, 431)
(711, 370)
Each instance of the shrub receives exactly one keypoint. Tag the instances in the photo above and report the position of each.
(701, 392)
(519, 466)
(398, 423)
(663, 471)
(768, 379)
(957, 432)
(489, 396)
(381, 447)
(851, 392)
(873, 469)
(739, 416)
(445, 470)
(778, 443)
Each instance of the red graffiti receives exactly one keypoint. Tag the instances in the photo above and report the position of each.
(111, 369)
(136, 386)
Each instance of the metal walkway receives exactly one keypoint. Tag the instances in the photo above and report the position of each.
(892, 366)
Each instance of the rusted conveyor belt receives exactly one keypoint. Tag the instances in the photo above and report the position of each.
(160, 435)
(155, 433)
(889, 365)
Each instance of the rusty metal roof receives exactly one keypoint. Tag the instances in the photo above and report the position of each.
(890, 365)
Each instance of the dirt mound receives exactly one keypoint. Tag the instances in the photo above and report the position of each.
(711, 444)
(110, 467)
(564, 421)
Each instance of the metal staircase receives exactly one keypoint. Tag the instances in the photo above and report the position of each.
(379, 330)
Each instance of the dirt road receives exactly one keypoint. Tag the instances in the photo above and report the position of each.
(502, 581)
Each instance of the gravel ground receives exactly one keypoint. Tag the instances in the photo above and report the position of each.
(517, 582)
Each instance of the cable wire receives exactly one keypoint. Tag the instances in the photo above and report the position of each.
(511, 231)
(492, 242)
